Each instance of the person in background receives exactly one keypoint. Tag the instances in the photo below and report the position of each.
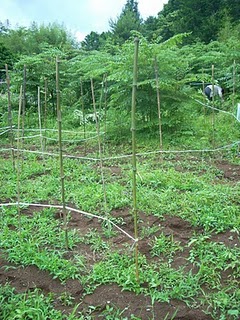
(215, 90)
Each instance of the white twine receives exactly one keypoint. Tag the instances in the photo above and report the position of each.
(208, 106)
(4, 131)
(56, 130)
(3, 128)
(53, 139)
(123, 156)
(69, 209)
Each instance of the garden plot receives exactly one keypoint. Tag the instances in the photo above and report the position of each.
(188, 223)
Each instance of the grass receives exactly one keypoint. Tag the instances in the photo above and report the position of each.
(193, 189)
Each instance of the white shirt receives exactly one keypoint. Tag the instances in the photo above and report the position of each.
(217, 91)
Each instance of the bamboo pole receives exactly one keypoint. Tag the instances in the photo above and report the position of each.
(134, 162)
(158, 104)
(203, 88)
(84, 122)
(45, 110)
(105, 107)
(99, 150)
(213, 105)
(24, 97)
(18, 160)
(234, 84)
(40, 122)
(59, 120)
(10, 135)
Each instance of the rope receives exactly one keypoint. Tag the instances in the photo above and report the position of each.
(213, 108)
(126, 155)
(4, 131)
(69, 209)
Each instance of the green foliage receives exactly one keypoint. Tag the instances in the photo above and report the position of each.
(165, 246)
(128, 21)
(31, 305)
(203, 19)
(40, 241)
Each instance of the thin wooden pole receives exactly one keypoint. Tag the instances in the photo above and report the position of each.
(45, 109)
(99, 150)
(105, 107)
(158, 104)
(134, 162)
(83, 113)
(18, 160)
(10, 135)
(59, 119)
(24, 97)
(213, 104)
(204, 97)
(234, 84)
(40, 122)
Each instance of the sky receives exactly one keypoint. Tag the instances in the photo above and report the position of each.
(80, 17)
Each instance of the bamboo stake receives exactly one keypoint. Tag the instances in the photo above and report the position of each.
(59, 119)
(213, 104)
(84, 122)
(40, 122)
(24, 97)
(45, 109)
(203, 87)
(234, 84)
(134, 162)
(10, 135)
(18, 159)
(99, 150)
(105, 107)
(158, 104)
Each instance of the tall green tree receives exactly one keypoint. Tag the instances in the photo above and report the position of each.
(35, 39)
(128, 20)
(203, 18)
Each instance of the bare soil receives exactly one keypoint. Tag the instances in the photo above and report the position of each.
(29, 278)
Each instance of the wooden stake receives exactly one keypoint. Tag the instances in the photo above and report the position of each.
(213, 104)
(40, 122)
(45, 110)
(84, 123)
(234, 84)
(99, 150)
(134, 162)
(59, 119)
(24, 98)
(18, 159)
(158, 104)
(10, 135)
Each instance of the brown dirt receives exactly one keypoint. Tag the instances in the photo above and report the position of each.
(29, 278)
(230, 171)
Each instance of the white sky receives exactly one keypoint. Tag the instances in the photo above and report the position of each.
(78, 16)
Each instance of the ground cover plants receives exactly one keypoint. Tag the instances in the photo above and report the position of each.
(87, 233)
(188, 221)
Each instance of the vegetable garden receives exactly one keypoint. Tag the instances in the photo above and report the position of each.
(101, 219)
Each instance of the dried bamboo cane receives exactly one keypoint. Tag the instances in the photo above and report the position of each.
(40, 122)
(100, 151)
(59, 119)
(158, 104)
(18, 159)
(234, 84)
(84, 122)
(45, 110)
(134, 162)
(10, 135)
(105, 107)
(24, 98)
(213, 104)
